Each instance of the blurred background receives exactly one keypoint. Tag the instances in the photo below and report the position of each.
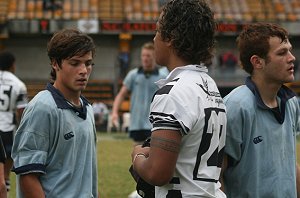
(119, 28)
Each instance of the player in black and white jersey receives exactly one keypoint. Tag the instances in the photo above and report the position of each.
(187, 113)
(13, 99)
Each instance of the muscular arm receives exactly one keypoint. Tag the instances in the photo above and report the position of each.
(31, 186)
(117, 102)
(159, 165)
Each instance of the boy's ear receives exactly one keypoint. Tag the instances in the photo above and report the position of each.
(55, 66)
(257, 62)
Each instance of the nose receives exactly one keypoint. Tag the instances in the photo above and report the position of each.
(292, 57)
(83, 69)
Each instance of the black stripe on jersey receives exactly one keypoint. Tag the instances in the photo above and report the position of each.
(174, 194)
(174, 180)
(164, 90)
(206, 180)
(159, 119)
(161, 114)
(21, 97)
(175, 80)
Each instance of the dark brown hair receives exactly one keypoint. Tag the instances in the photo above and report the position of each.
(254, 40)
(66, 44)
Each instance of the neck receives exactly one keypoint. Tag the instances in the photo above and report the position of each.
(176, 62)
(268, 91)
(71, 96)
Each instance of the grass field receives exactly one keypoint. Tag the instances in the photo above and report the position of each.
(113, 162)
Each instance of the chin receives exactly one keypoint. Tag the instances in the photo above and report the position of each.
(288, 80)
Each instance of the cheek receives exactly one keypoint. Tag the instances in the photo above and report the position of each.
(158, 57)
(89, 70)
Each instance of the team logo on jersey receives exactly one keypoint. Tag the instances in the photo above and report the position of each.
(69, 135)
(204, 87)
(257, 139)
(213, 96)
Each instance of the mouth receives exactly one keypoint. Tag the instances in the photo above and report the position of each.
(291, 69)
(82, 81)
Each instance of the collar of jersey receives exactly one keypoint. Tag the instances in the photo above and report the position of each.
(284, 94)
(62, 103)
(153, 72)
(172, 75)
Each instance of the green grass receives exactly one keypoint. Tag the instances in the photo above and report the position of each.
(113, 163)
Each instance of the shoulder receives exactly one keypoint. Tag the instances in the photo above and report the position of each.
(43, 101)
(133, 72)
(188, 86)
(14, 81)
(240, 102)
(240, 95)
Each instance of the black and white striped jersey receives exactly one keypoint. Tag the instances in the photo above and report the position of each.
(189, 101)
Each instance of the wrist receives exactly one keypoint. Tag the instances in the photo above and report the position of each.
(138, 155)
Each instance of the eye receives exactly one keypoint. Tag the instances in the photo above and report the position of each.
(89, 63)
(74, 63)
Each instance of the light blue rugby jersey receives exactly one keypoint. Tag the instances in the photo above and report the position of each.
(59, 142)
(142, 87)
(261, 144)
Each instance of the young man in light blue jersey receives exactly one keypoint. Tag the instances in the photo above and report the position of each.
(54, 151)
(263, 114)
(139, 83)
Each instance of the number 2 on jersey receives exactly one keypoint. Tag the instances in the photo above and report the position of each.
(210, 153)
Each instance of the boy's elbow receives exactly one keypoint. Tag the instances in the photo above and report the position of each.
(159, 179)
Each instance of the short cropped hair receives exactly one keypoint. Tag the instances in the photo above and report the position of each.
(190, 26)
(254, 40)
(66, 44)
(7, 59)
(148, 45)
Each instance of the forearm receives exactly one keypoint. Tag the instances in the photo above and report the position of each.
(117, 103)
(158, 165)
(31, 186)
(3, 191)
(119, 99)
(141, 166)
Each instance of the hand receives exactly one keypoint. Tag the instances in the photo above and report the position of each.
(139, 149)
(115, 120)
